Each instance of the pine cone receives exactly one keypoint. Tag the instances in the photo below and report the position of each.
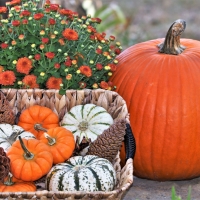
(6, 113)
(4, 165)
(109, 142)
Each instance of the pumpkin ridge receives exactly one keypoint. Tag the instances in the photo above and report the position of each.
(100, 123)
(196, 117)
(160, 81)
(48, 179)
(2, 132)
(76, 180)
(91, 110)
(91, 160)
(60, 184)
(72, 115)
(96, 114)
(124, 71)
(122, 89)
(155, 119)
(82, 109)
(111, 173)
(136, 105)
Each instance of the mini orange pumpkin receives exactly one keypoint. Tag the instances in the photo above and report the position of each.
(11, 184)
(29, 159)
(61, 143)
(35, 115)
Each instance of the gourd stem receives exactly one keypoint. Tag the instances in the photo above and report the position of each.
(28, 155)
(171, 44)
(51, 140)
(9, 182)
(38, 127)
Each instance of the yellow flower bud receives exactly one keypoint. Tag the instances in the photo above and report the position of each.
(109, 57)
(69, 77)
(42, 73)
(118, 43)
(115, 61)
(33, 45)
(95, 86)
(19, 82)
(53, 36)
(78, 71)
(42, 32)
(107, 67)
(74, 62)
(14, 62)
(109, 73)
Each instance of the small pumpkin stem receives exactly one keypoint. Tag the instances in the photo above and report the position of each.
(51, 140)
(27, 154)
(172, 45)
(38, 127)
(9, 181)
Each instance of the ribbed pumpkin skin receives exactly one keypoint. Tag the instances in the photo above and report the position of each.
(162, 93)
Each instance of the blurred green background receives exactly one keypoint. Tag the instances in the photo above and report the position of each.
(134, 21)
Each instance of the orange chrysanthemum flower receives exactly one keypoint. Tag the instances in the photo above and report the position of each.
(30, 81)
(104, 85)
(38, 16)
(53, 83)
(24, 65)
(7, 78)
(3, 9)
(15, 2)
(70, 34)
(86, 70)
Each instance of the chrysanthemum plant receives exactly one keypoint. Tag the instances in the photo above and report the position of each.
(53, 48)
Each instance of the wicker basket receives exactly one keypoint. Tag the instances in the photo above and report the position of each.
(60, 104)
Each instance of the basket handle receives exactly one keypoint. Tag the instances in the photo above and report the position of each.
(129, 141)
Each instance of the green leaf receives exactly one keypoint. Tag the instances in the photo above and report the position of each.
(62, 91)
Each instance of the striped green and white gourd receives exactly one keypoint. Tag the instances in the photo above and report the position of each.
(87, 120)
(9, 134)
(82, 173)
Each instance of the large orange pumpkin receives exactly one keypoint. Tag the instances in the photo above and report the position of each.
(161, 86)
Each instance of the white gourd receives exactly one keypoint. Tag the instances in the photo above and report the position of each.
(9, 134)
(82, 173)
(87, 120)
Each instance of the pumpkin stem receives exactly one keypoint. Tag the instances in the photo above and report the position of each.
(13, 137)
(28, 155)
(172, 45)
(51, 140)
(9, 181)
(38, 127)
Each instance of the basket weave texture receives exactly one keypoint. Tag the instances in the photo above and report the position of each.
(21, 99)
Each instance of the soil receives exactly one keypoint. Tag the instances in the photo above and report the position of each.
(143, 189)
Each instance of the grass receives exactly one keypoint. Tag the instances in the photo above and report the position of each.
(175, 197)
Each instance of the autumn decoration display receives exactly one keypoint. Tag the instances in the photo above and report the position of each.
(53, 48)
(65, 142)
